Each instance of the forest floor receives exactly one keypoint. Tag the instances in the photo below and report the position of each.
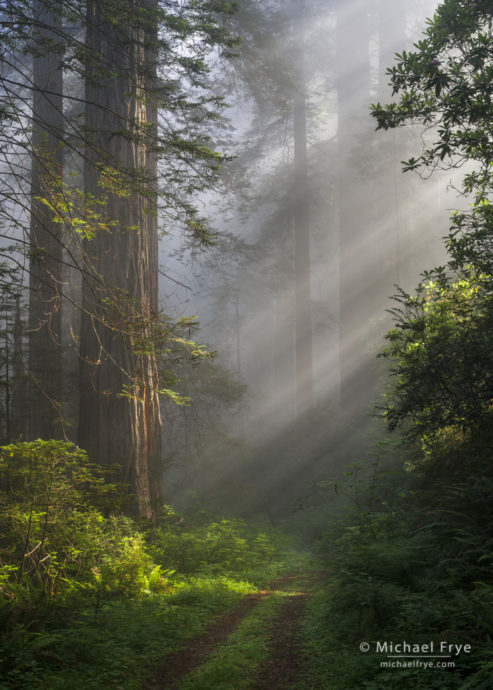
(256, 645)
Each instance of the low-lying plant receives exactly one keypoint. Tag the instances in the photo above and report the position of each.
(254, 550)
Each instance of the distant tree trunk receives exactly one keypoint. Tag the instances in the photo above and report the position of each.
(301, 197)
(6, 417)
(356, 249)
(119, 411)
(45, 368)
(238, 333)
(392, 39)
(18, 427)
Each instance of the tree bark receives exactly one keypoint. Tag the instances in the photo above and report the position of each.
(119, 410)
(18, 427)
(44, 357)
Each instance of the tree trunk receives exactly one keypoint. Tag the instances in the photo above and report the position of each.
(19, 402)
(392, 39)
(45, 368)
(303, 307)
(119, 410)
(356, 249)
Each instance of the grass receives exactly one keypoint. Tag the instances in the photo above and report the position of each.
(236, 661)
(89, 598)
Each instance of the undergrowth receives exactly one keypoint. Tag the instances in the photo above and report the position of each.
(89, 598)
(412, 563)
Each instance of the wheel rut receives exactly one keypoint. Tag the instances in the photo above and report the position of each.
(183, 661)
(285, 661)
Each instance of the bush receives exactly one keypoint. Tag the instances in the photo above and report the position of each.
(55, 540)
(415, 567)
(228, 546)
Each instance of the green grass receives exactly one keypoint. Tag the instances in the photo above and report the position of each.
(236, 661)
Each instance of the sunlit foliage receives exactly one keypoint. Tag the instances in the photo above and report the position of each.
(440, 353)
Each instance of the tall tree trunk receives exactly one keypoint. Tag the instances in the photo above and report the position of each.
(119, 411)
(356, 249)
(45, 368)
(303, 307)
(18, 428)
(393, 237)
(7, 378)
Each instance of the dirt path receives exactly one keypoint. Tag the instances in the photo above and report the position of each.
(286, 659)
(285, 662)
(199, 649)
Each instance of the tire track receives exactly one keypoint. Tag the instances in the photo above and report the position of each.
(179, 663)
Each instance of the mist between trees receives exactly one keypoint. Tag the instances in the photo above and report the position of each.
(173, 165)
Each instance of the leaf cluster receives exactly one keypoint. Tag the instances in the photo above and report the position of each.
(445, 84)
(440, 356)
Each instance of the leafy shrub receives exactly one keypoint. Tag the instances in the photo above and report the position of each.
(228, 546)
(49, 524)
(55, 541)
(416, 567)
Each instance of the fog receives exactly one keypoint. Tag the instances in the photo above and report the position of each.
(298, 356)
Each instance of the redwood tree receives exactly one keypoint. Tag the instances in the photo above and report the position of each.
(301, 196)
(119, 409)
(356, 251)
(45, 371)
